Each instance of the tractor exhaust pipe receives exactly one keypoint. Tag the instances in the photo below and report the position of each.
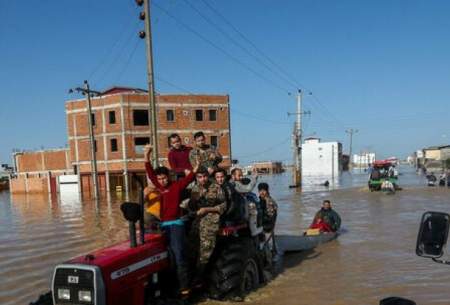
(141, 203)
(132, 213)
(132, 229)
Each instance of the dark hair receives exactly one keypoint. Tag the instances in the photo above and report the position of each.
(245, 181)
(327, 201)
(220, 170)
(199, 134)
(174, 135)
(162, 170)
(202, 170)
(234, 170)
(263, 186)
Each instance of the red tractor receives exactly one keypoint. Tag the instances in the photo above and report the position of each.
(139, 273)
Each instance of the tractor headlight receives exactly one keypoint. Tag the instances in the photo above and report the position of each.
(84, 296)
(63, 294)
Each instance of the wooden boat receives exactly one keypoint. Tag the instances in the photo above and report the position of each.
(295, 243)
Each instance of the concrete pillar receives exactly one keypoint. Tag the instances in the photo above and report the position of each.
(49, 187)
(124, 147)
(105, 151)
(74, 122)
(26, 183)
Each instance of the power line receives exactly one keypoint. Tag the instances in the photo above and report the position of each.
(119, 53)
(266, 150)
(127, 63)
(296, 83)
(239, 45)
(287, 77)
(173, 85)
(236, 60)
(233, 110)
(114, 45)
(256, 117)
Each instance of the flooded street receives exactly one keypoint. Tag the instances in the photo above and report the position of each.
(373, 258)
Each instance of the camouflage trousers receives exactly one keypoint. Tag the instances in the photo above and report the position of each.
(202, 239)
(208, 229)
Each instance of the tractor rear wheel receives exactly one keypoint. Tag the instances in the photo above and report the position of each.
(234, 271)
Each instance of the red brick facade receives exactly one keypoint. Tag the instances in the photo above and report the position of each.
(36, 171)
(122, 127)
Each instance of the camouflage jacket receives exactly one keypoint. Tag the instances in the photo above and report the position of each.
(271, 206)
(209, 195)
(208, 156)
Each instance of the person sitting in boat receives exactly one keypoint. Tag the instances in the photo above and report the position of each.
(319, 224)
(329, 216)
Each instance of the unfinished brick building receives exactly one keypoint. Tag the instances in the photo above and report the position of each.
(122, 128)
(37, 171)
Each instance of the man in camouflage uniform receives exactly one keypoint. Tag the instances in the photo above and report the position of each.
(208, 156)
(208, 202)
(269, 206)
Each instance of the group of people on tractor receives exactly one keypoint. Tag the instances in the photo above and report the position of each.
(379, 172)
(194, 198)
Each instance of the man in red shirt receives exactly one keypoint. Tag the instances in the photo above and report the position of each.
(170, 213)
(178, 156)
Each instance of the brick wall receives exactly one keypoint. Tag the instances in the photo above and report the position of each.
(34, 185)
(123, 105)
(42, 161)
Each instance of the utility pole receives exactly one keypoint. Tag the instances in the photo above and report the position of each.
(297, 141)
(351, 131)
(88, 93)
(147, 34)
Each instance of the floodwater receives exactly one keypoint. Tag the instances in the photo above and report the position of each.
(373, 258)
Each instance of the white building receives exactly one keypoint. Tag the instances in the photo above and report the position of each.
(363, 159)
(321, 158)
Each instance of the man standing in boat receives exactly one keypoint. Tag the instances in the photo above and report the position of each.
(329, 216)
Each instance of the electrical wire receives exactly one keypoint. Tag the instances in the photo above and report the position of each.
(120, 53)
(239, 45)
(173, 85)
(256, 117)
(266, 150)
(291, 79)
(230, 24)
(226, 53)
(127, 63)
(107, 55)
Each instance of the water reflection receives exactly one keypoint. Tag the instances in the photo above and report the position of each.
(374, 259)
